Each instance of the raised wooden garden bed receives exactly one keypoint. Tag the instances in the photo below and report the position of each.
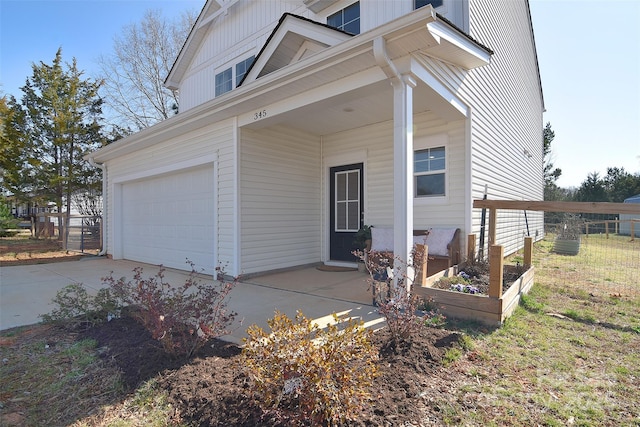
(483, 308)
(491, 309)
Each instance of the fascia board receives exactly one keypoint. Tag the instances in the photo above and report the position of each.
(472, 55)
(308, 30)
(230, 104)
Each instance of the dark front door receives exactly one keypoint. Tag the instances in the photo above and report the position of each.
(346, 210)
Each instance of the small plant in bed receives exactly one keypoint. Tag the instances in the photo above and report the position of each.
(473, 278)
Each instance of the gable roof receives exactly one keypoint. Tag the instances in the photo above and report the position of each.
(294, 38)
(209, 13)
(419, 32)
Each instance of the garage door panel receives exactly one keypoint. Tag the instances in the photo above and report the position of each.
(169, 219)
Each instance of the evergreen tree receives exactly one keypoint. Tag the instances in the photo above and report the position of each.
(551, 174)
(62, 112)
(12, 149)
(592, 189)
(620, 184)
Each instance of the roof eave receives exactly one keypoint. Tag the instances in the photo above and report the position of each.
(228, 105)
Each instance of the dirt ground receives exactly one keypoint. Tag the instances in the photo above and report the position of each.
(210, 390)
(19, 250)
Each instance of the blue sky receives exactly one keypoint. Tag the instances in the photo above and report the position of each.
(588, 51)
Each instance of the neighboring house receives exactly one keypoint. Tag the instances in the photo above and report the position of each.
(301, 120)
(625, 224)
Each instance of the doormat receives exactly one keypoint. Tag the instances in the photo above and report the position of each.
(335, 268)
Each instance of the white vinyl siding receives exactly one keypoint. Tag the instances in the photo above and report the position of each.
(280, 199)
(506, 121)
(377, 141)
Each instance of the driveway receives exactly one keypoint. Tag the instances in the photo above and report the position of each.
(27, 291)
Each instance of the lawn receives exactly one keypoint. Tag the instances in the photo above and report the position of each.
(568, 356)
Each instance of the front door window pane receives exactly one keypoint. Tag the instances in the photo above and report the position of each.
(347, 203)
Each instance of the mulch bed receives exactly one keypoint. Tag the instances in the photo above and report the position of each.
(211, 390)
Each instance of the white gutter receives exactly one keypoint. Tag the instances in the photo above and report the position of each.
(103, 225)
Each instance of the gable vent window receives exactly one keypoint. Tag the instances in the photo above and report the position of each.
(224, 81)
(348, 19)
(429, 172)
(242, 67)
(434, 3)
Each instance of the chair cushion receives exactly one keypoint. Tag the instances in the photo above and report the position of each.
(438, 240)
(381, 239)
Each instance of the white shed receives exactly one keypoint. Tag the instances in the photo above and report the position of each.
(625, 219)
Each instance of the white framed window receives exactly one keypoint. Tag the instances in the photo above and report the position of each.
(347, 19)
(242, 67)
(224, 81)
(417, 4)
(429, 172)
(231, 76)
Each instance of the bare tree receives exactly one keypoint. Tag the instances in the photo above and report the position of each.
(135, 71)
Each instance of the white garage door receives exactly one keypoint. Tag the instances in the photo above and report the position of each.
(169, 219)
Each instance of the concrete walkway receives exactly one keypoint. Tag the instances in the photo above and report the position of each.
(26, 291)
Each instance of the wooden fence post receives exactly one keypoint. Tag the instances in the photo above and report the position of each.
(493, 218)
(528, 251)
(471, 248)
(421, 272)
(606, 229)
(496, 258)
(633, 233)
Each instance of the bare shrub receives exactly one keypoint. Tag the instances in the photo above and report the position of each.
(304, 373)
(183, 318)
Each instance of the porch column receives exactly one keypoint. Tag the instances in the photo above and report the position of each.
(403, 175)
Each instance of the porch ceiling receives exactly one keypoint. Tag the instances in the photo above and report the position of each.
(357, 108)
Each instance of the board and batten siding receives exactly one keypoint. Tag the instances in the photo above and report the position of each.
(213, 139)
(234, 36)
(377, 142)
(247, 25)
(280, 207)
(506, 117)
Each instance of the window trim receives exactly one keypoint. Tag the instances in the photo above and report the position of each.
(341, 11)
(221, 73)
(432, 141)
(232, 65)
(347, 201)
(435, 7)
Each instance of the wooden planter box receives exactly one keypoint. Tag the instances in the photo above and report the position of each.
(482, 308)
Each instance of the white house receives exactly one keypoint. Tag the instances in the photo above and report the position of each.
(301, 120)
(626, 219)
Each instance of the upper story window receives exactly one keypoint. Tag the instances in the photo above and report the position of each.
(242, 67)
(224, 81)
(232, 76)
(429, 169)
(347, 19)
(417, 4)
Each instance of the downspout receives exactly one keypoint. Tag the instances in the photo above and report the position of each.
(103, 223)
(382, 59)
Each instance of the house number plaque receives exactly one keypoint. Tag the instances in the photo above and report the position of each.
(259, 115)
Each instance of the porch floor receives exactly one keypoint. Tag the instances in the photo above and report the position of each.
(346, 286)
